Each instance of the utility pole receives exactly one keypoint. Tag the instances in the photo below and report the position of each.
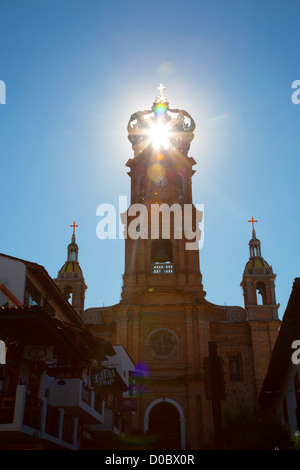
(215, 390)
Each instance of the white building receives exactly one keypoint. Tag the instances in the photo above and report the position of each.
(48, 399)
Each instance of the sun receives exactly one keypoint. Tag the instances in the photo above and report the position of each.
(159, 135)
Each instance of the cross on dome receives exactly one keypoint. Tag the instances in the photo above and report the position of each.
(74, 227)
(253, 222)
(161, 88)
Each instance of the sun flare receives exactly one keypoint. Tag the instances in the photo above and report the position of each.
(159, 135)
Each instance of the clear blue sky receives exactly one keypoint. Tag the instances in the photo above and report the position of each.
(75, 70)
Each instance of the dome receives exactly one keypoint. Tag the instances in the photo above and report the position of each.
(70, 267)
(257, 263)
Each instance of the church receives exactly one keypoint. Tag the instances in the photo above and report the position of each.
(164, 319)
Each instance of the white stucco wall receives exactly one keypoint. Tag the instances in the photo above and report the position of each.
(13, 276)
(122, 362)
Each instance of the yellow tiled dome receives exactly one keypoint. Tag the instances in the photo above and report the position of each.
(257, 262)
(70, 267)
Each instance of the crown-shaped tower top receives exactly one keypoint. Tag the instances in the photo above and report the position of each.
(161, 128)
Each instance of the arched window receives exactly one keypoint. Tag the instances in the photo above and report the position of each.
(68, 293)
(161, 251)
(162, 257)
(261, 293)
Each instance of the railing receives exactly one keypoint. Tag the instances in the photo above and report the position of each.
(71, 275)
(162, 268)
(52, 421)
(33, 411)
(37, 414)
(68, 429)
(98, 404)
(7, 408)
(86, 394)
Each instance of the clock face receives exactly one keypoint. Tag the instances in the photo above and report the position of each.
(161, 181)
(37, 352)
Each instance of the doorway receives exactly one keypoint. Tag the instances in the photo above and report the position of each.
(164, 424)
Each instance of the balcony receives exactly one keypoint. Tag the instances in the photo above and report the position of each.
(110, 424)
(26, 418)
(78, 399)
(162, 268)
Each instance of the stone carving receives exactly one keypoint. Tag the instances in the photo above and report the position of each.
(236, 315)
(91, 316)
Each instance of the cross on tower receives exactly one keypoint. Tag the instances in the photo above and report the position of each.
(74, 227)
(161, 88)
(253, 222)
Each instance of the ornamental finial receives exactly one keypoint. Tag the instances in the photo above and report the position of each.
(253, 222)
(161, 88)
(253, 229)
(74, 225)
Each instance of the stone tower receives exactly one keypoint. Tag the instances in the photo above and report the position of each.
(159, 250)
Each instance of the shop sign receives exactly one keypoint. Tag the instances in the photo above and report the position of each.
(105, 377)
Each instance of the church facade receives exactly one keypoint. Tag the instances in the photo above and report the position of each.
(163, 319)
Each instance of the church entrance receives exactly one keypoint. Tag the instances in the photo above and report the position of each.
(164, 423)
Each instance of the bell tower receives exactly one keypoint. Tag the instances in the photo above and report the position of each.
(258, 284)
(161, 224)
(70, 278)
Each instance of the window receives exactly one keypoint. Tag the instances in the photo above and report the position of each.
(68, 293)
(161, 251)
(261, 293)
(163, 343)
(235, 367)
(32, 295)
